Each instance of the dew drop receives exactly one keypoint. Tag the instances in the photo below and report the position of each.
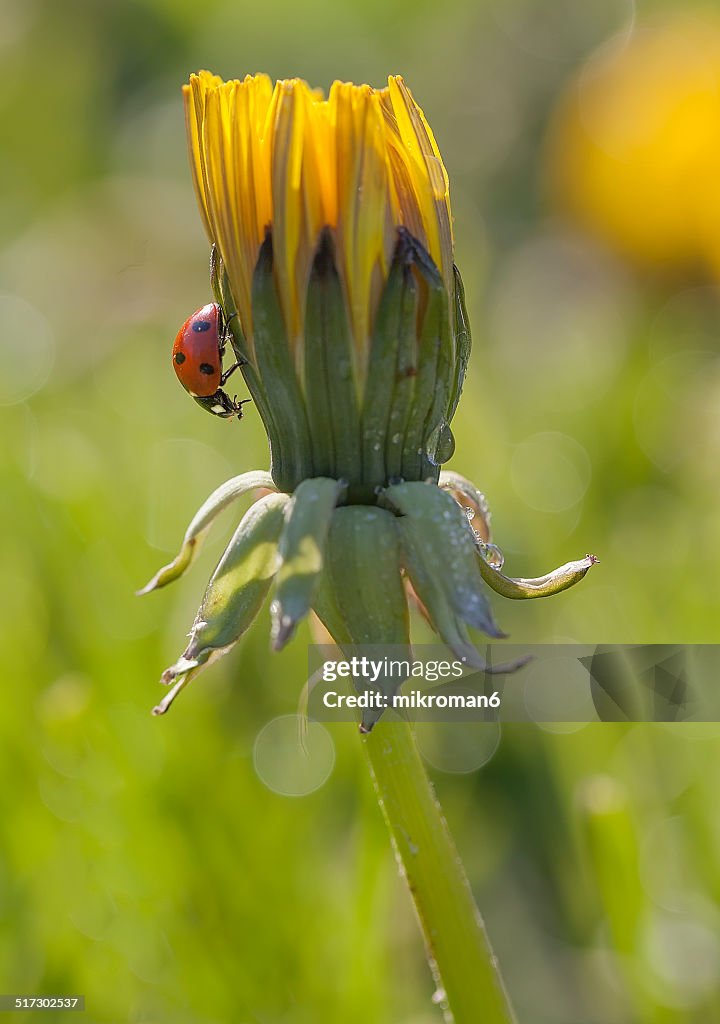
(440, 444)
(492, 554)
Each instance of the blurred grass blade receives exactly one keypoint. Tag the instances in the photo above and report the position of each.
(612, 849)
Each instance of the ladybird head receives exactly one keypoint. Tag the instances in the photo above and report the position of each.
(220, 404)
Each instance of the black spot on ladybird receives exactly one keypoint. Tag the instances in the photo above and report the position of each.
(179, 358)
(207, 368)
(200, 326)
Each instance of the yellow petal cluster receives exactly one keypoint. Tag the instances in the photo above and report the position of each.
(361, 162)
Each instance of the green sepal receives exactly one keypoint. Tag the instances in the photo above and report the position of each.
(386, 394)
(463, 343)
(439, 443)
(237, 335)
(201, 522)
(329, 377)
(235, 592)
(436, 535)
(362, 599)
(427, 432)
(220, 284)
(444, 619)
(520, 589)
(363, 559)
(405, 376)
(327, 609)
(302, 547)
(291, 440)
(217, 272)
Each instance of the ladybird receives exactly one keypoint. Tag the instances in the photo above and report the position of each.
(197, 360)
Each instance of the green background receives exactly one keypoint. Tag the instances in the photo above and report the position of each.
(156, 865)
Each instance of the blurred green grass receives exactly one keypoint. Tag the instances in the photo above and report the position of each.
(144, 862)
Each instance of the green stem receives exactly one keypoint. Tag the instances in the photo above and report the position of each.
(457, 946)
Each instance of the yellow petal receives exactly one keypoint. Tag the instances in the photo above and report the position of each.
(427, 175)
(363, 162)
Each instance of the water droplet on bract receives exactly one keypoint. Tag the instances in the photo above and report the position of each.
(493, 555)
(396, 438)
(440, 444)
(376, 446)
(469, 512)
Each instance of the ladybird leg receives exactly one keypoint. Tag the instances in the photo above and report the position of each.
(226, 330)
(227, 373)
(225, 337)
(241, 361)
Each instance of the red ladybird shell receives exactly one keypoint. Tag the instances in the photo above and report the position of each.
(196, 353)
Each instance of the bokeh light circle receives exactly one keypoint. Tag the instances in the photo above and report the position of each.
(557, 695)
(684, 955)
(27, 348)
(550, 471)
(289, 764)
(670, 413)
(457, 747)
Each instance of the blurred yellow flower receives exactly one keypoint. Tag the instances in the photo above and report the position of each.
(362, 162)
(634, 154)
